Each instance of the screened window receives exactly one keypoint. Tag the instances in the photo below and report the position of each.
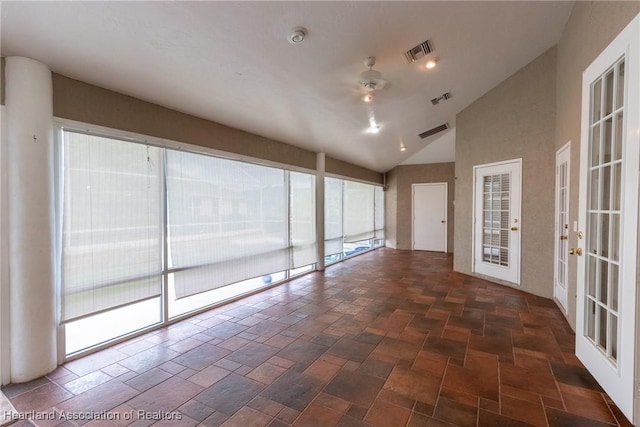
(112, 224)
(354, 218)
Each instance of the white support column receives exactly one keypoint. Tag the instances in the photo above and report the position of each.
(320, 167)
(29, 114)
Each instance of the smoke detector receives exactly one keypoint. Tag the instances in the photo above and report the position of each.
(371, 80)
(297, 35)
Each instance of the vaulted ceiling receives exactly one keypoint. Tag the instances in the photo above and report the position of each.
(231, 62)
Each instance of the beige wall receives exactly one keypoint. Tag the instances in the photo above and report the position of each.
(590, 28)
(399, 180)
(76, 100)
(2, 81)
(516, 119)
(338, 167)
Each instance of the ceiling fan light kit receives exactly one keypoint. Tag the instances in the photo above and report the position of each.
(371, 80)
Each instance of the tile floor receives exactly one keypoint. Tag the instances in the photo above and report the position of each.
(390, 338)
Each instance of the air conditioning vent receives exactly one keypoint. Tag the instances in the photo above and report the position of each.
(433, 131)
(417, 52)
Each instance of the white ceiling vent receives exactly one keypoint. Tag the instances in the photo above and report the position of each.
(417, 52)
(433, 131)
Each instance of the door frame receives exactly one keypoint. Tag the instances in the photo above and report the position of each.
(446, 212)
(619, 380)
(562, 299)
(475, 224)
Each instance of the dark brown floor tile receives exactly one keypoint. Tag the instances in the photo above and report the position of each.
(331, 402)
(225, 330)
(166, 396)
(95, 361)
(201, 356)
(491, 419)
(318, 416)
(445, 347)
(230, 393)
(385, 414)
(586, 403)
(215, 420)
(347, 421)
(376, 368)
(253, 354)
(423, 408)
(489, 405)
(150, 358)
(368, 338)
(302, 352)
(247, 417)
(529, 412)
(357, 412)
(355, 387)
(574, 375)
(558, 418)
(266, 373)
(455, 413)
(148, 379)
(397, 348)
(266, 406)
(196, 410)
(479, 377)
(397, 399)
(288, 415)
(293, 390)
(537, 381)
(277, 423)
(101, 398)
(82, 384)
(350, 349)
(40, 398)
(414, 384)
(13, 390)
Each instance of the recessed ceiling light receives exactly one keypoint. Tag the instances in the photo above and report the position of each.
(297, 35)
(368, 97)
(373, 129)
(403, 148)
(431, 63)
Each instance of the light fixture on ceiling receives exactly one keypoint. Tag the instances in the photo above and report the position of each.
(431, 63)
(443, 97)
(403, 147)
(297, 35)
(368, 97)
(374, 129)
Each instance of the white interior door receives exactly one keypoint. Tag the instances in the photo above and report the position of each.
(608, 217)
(561, 270)
(497, 220)
(429, 217)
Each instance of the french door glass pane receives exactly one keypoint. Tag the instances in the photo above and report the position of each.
(496, 219)
(603, 219)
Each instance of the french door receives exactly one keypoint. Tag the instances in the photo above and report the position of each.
(561, 268)
(608, 217)
(497, 220)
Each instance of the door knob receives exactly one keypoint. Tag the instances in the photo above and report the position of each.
(563, 237)
(514, 228)
(443, 221)
(575, 251)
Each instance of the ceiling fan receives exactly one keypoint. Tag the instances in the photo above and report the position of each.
(371, 80)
